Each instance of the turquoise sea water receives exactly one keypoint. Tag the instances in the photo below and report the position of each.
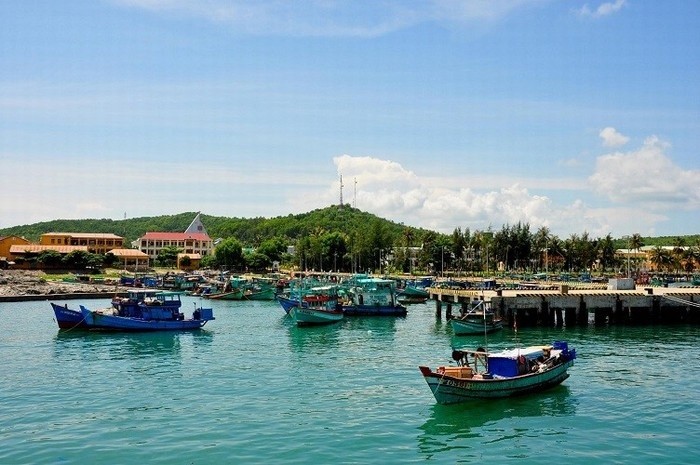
(253, 388)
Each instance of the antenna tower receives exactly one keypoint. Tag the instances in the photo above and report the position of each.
(354, 198)
(341, 190)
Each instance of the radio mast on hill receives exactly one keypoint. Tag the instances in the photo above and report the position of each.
(354, 198)
(341, 190)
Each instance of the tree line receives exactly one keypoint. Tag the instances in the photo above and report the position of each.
(345, 239)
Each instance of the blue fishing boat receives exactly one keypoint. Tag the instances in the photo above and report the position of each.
(68, 318)
(157, 313)
(483, 375)
(372, 296)
(129, 305)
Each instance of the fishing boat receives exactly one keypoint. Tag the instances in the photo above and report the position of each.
(68, 318)
(479, 319)
(318, 306)
(129, 305)
(483, 375)
(158, 313)
(235, 294)
(260, 289)
(152, 319)
(372, 296)
(412, 295)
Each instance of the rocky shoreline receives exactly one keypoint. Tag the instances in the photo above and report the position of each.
(19, 285)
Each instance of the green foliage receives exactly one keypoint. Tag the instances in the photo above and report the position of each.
(50, 259)
(167, 256)
(346, 239)
(258, 262)
(81, 260)
(229, 254)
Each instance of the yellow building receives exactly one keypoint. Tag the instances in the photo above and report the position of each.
(100, 243)
(21, 253)
(6, 243)
(190, 263)
(131, 259)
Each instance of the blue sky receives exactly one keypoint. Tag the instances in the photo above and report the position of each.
(581, 116)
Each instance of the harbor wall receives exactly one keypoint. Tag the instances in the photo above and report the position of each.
(550, 309)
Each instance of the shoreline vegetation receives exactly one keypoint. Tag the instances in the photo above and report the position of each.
(344, 239)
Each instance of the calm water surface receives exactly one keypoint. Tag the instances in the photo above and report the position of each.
(253, 388)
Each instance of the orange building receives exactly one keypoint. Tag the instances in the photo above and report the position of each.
(6, 243)
(100, 243)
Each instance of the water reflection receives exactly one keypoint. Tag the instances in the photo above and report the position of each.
(377, 324)
(123, 345)
(313, 339)
(449, 425)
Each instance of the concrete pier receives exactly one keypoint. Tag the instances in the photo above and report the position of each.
(570, 307)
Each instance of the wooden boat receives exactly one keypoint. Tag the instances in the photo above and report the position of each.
(67, 318)
(372, 296)
(236, 294)
(129, 305)
(317, 306)
(483, 375)
(152, 319)
(312, 316)
(159, 312)
(480, 319)
(412, 295)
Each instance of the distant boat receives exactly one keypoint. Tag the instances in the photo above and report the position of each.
(480, 319)
(317, 306)
(313, 306)
(236, 294)
(412, 295)
(483, 375)
(372, 296)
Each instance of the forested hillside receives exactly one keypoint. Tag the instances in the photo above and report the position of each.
(345, 238)
(249, 231)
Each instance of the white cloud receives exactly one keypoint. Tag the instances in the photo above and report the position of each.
(612, 138)
(604, 9)
(387, 189)
(356, 18)
(647, 176)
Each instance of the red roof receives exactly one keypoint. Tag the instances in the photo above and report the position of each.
(175, 236)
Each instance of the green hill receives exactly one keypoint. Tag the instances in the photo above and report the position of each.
(249, 231)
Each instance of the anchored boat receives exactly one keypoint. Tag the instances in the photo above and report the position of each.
(483, 375)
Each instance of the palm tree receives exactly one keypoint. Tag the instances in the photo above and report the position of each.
(541, 243)
(635, 243)
(660, 258)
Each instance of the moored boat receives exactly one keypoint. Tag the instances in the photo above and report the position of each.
(372, 296)
(236, 294)
(315, 306)
(151, 319)
(310, 316)
(157, 312)
(412, 295)
(480, 319)
(482, 375)
(67, 318)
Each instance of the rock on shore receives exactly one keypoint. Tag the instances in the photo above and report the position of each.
(26, 282)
